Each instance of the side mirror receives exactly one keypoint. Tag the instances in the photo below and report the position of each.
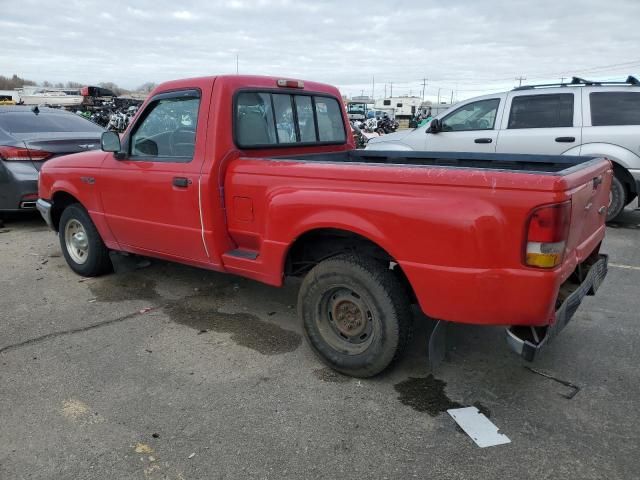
(110, 142)
(435, 126)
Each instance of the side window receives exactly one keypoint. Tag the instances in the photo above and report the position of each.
(329, 115)
(265, 119)
(615, 108)
(541, 111)
(168, 131)
(480, 115)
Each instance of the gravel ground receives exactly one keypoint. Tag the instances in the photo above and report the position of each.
(178, 373)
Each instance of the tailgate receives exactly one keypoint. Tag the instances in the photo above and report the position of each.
(589, 190)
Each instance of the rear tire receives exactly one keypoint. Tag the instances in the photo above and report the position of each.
(81, 244)
(618, 199)
(356, 314)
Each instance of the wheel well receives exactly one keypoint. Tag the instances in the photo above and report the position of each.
(627, 180)
(61, 200)
(317, 245)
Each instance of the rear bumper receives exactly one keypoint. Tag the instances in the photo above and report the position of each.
(527, 348)
(44, 207)
(17, 179)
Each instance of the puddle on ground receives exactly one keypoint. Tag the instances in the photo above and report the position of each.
(127, 286)
(327, 374)
(425, 395)
(201, 313)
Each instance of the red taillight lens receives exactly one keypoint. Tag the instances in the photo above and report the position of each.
(22, 154)
(550, 223)
(290, 83)
(547, 234)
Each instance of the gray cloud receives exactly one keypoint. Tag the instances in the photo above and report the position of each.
(469, 46)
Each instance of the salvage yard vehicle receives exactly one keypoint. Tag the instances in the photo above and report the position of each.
(258, 176)
(29, 136)
(582, 117)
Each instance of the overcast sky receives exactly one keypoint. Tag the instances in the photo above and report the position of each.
(471, 47)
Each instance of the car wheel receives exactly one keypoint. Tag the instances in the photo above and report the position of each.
(617, 199)
(356, 314)
(81, 244)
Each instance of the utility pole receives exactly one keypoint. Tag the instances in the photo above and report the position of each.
(373, 86)
(562, 79)
(451, 102)
(439, 95)
(385, 90)
(424, 86)
(391, 95)
(520, 78)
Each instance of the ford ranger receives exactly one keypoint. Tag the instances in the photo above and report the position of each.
(258, 177)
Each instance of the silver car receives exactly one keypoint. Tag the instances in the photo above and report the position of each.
(29, 136)
(578, 118)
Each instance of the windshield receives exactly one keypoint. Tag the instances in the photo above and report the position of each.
(356, 108)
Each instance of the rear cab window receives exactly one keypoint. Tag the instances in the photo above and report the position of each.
(541, 111)
(614, 108)
(264, 119)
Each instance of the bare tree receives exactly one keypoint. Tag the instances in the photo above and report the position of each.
(146, 87)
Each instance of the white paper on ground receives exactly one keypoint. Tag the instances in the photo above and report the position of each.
(478, 427)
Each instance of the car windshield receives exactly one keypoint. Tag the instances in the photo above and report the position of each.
(29, 122)
(356, 108)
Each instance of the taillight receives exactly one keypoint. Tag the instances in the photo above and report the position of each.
(22, 154)
(547, 232)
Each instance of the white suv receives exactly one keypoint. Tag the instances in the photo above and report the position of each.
(577, 118)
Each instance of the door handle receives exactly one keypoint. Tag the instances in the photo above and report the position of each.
(565, 139)
(483, 140)
(181, 182)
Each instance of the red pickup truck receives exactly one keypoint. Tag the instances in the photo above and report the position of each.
(258, 176)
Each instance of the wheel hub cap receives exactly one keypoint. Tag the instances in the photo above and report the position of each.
(348, 317)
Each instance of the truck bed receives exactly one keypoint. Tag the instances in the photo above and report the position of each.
(539, 164)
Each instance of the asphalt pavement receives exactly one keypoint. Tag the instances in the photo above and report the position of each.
(170, 372)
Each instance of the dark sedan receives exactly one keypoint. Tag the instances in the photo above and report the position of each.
(28, 137)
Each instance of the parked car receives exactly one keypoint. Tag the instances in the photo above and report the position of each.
(578, 118)
(29, 137)
(258, 176)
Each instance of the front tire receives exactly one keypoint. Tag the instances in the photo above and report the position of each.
(81, 244)
(618, 199)
(356, 314)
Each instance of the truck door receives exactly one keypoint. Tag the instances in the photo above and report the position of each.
(151, 195)
(469, 128)
(541, 123)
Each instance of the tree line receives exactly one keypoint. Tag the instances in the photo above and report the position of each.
(9, 83)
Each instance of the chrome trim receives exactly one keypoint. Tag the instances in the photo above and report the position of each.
(44, 208)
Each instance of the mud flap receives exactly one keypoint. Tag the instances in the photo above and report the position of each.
(437, 344)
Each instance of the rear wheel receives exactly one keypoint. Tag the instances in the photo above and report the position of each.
(617, 199)
(356, 314)
(81, 244)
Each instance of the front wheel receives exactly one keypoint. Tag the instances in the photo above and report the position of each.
(356, 314)
(82, 247)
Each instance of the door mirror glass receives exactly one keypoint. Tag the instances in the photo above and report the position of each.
(110, 142)
(435, 126)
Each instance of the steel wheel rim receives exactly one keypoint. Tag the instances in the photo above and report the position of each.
(76, 241)
(345, 321)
